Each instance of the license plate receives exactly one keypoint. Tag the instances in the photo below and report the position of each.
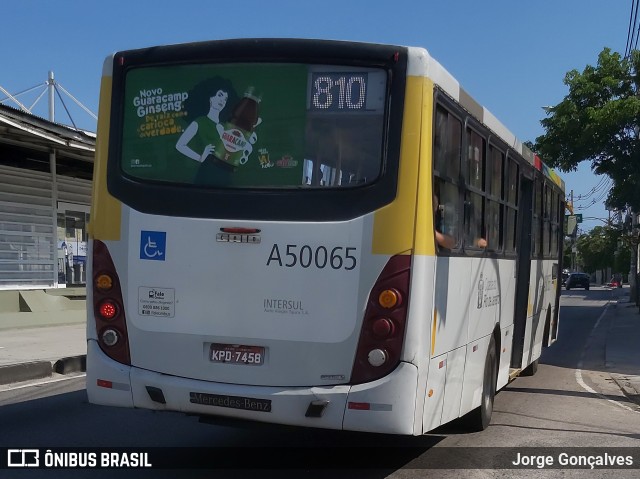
(237, 354)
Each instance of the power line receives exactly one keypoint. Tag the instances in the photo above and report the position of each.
(593, 190)
(629, 30)
(605, 188)
(633, 31)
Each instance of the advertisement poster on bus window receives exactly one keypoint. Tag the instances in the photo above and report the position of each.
(216, 125)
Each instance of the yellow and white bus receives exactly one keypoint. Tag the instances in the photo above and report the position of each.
(262, 238)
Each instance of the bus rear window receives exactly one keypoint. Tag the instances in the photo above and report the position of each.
(246, 125)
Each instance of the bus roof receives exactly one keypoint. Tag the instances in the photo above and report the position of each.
(422, 64)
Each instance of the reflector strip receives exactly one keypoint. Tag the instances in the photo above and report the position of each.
(105, 384)
(365, 406)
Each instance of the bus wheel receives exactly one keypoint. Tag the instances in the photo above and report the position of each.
(531, 369)
(479, 418)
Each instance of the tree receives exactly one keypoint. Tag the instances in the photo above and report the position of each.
(601, 248)
(622, 259)
(597, 121)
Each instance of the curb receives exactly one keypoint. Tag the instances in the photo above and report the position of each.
(71, 364)
(626, 387)
(15, 373)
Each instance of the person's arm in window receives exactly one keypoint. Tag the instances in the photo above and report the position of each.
(445, 240)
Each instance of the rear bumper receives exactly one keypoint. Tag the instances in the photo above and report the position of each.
(383, 406)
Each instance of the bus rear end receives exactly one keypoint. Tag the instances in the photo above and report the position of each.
(241, 260)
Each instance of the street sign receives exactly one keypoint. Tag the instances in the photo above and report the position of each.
(578, 218)
(570, 224)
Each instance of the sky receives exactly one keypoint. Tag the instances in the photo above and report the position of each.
(510, 55)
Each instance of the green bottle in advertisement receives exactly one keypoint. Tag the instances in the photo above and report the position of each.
(237, 136)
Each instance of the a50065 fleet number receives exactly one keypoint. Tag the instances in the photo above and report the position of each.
(305, 256)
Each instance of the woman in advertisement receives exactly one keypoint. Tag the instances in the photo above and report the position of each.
(199, 138)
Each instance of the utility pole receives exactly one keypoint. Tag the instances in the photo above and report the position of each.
(574, 233)
(633, 269)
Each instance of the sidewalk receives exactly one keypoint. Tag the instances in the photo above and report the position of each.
(34, 353)
(60, 346)
(622, 353)
(41, 332)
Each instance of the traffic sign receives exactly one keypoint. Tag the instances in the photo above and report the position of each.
(571, 224)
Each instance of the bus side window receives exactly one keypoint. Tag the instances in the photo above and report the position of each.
(493, 206)
(473, 213)
(447, 218)
(447, 150)
(475, 191)
(511, 208)
(537, 220)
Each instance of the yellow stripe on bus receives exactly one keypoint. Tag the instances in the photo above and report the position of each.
(425, 238)
(106, 211)
(393, 225)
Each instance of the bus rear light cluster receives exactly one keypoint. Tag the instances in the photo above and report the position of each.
(382, 333)
(109, 314)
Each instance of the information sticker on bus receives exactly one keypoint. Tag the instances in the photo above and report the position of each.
(237, 354)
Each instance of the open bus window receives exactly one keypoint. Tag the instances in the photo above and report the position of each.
(263, 125)
(473, 219)
(447, 202)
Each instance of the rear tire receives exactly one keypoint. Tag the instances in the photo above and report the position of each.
(480, 417)
(531, 369)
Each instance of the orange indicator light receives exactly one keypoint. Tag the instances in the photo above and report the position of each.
(389, 298)
(104, 282)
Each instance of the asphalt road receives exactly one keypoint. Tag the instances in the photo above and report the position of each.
(568, 403)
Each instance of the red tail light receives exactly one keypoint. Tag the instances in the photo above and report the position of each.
(107, 309)
(111, 324)
(383, 328)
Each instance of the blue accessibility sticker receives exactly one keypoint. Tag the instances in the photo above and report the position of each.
(153, 245)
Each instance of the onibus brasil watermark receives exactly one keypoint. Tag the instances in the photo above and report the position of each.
(35, 458)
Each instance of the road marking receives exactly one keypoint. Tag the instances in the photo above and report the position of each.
(42, 383)
(578, 373)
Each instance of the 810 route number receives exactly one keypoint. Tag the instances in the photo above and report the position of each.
(305, 256)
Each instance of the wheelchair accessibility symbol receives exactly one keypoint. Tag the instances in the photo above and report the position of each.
(153, 245)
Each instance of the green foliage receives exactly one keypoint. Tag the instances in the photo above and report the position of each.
(601, 248)
(597, 121)
(622, 260)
